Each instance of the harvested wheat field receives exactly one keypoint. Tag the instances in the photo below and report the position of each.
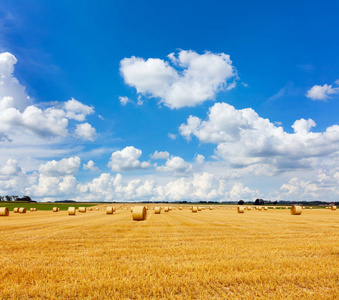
(211, 254)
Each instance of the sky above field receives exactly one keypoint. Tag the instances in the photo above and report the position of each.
(169, 100)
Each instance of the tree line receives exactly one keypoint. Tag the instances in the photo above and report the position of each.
(16, 198)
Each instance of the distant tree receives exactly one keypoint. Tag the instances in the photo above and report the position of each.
(24, 198)
(259, 202)
(241, 202)
(14, 197)
(275, 202)
(8, 198)
(2, 198)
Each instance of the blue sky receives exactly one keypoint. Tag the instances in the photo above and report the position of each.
(238, 98)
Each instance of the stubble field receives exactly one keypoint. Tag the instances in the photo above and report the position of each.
(212, 254)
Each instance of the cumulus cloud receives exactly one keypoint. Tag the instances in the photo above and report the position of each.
(189, 81)
(65, 166)
(77, 110)
(175, 164)
(18, 115)
(127, 160)
(85, 131)
(124, 100)
(160, 155)
(199, 159)
(12, 93)
(243, 138)
(91, 166)
(321, 92)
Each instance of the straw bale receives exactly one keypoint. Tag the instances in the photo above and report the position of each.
(114, 209)
(4, 211)
(296, 210)
(16, 209)
(194, 209)
(22, 210)
(241, 209)
(166, 209)
(139, 213)
(157, 210)
(265, 208)
(180, 208)
(55, 209)
(199, 208)
(109, 210)
(82, 209)
(71, 211)
(333, 207)
(170, 208)
(31, 209)
(248, 208)
(97, 208)
(211, 207)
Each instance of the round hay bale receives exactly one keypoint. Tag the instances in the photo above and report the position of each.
(170, 208)
(157, 210)
(194, 209)
(58, 208)
(82, 209)
(109, 210)
(265, 208)
(180, 208)
(166, 209)
(241, 209)
(259, 208)
(248, 208)
(97, 208)
(71, 211)
(139, 213)
(333, 207)
(274, 208)
(296, 210)
(132, 209)
(114, 209)
(55, 209)
(90, 209)
(16, 209)
(31, 209)
(211, 208)
(4, 211)
(22, 210)
(199, 208)
(311, 207)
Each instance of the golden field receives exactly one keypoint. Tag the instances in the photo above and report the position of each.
(212, 254)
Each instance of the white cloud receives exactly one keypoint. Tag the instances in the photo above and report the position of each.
(172, 136)
(318, 92)
(124, 100)
(243, 138)
(160, 155)
(127, 159)
(85, 131)
(77, 110)
(91, 166)
(65, 166)
(238, 192)
(175, 164)
(12, 93)
(196, 79)
(199, 159)
(18, 115)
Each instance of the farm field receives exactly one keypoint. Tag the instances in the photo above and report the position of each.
(212, 254)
